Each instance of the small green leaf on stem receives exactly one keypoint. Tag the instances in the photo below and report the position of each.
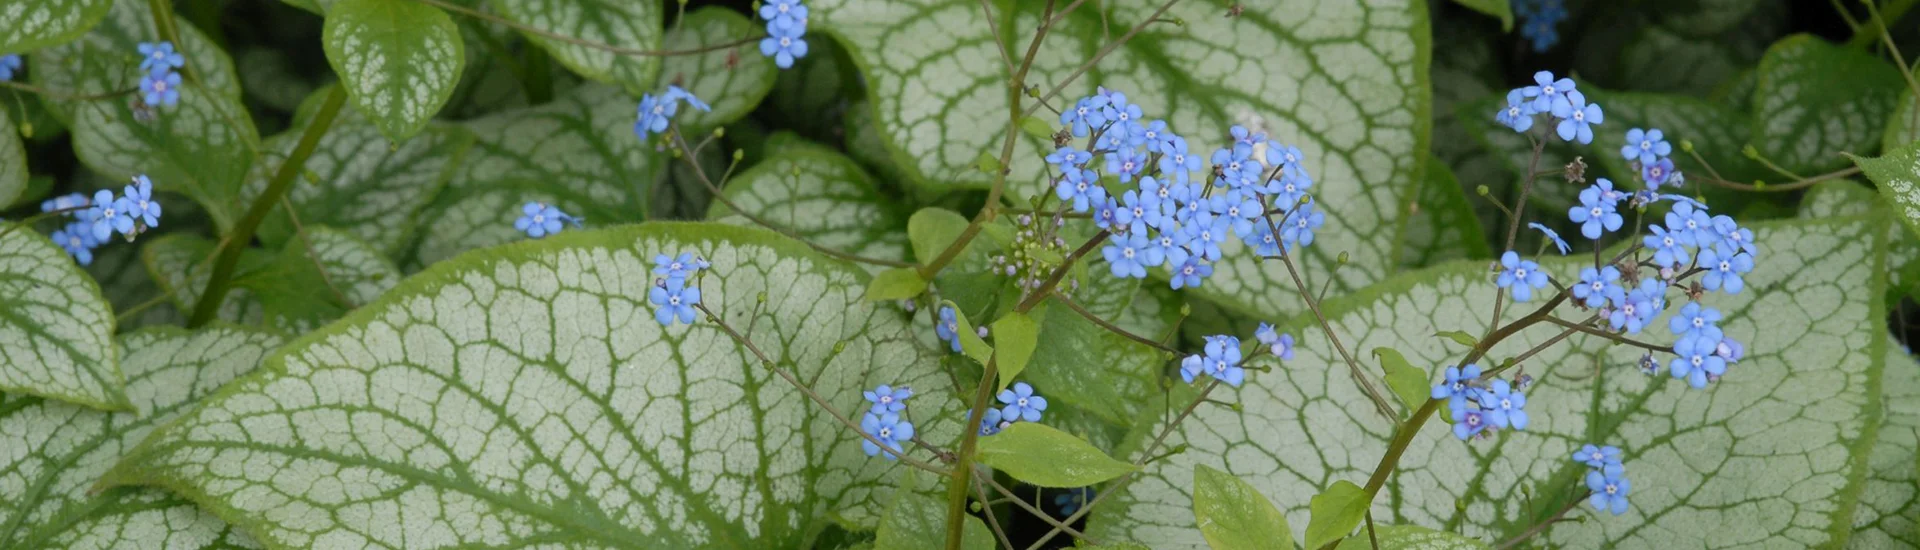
(1035, 127)
(970, 342)
(1459, 336)
(1041, 455)
(1016, 336)
(988, 163)
(1335, 513)
(1407, 382)
(1232, 515)
(899, 283)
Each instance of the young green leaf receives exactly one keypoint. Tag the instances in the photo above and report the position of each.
(1232, 515)
(1336, 512)
(899, 283)
(1409, 383)
(604, 428)
(1040, 455)
(57, 450)
(970, 342)
(988, 163)
(399, 60)
(56, 330)
(1897, 174)
(1459, 337)
(1015, 336)
(1038, 129)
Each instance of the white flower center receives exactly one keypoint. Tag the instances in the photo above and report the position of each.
(1597, 211)
(1578, 115)
(1520, 272)
(1506, 403)
(1128, 252)
(674, 300)
(1022, 402)
(1597, 285)
(1698, 322)
(1646, 146)
(1724, 266)
(886, 433)
(1547, 90)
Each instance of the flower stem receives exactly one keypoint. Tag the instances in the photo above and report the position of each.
(242, 233)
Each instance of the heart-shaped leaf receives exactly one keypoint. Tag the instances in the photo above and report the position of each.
(398, 59)
(56, 330)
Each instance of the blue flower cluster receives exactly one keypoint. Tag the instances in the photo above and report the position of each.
(786, 31)
(883, 420)
(1169, 216)
(9, 64)
(1607, 478)
(1646, 151)
(1222, 359)
(1477, 405)
(1556, 97)
(1018, 404)
(673, 299)
(539, 219)
(160, 87)
(96, 219)
(656, 112)
(1071, 501)
(1539, 20)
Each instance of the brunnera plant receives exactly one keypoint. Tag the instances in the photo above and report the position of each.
(906, 274)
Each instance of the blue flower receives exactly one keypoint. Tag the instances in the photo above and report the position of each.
(1642, 305)
(1265, 243)
(1144, 208)
(673, 300)
(77, 239)
(1193, 366)
(672, 267)
(1468, 423)
(1645, 146)
(1240, 210)
(68, 202)
(1126, 163)
(1540, 32)
(990, 422)
(1459, 387)
(1188, 269)
(677, 94)
(784, 14)
(1294, 183)
(1073, 499)
(107, 217)
(1520, 276)
(1547, 91)
(1724, 269)
(8, 65)
(1595, 214)
(1504, 406)
(159, 59)
(1301, 225)
(1280, 344)
(1130, 255)
(948, 328)
(540, 219)
(655, 113)
(1080, 188)
(1205, 233)
(1244, 140)
(1175, 161)
(1156, 137)
(1068, 158)
(161, 90)
(889, 429)
(1610, 488)
(1518, 114)
(1730, 350)
(887, 399)
(1597, 457)
(1124, 119)
(1695, 320)
(1697, 360)
(1106, 215)
(1551, 236)
(1668, 251)
(139, 202)
(1577, 117)
(784, 45)
(1085, 115)
(1734, 237)
(1598, 287)
(1021, 403)
(1657, 172)
(1235, 169)
(1690, 226)
(1223, 360)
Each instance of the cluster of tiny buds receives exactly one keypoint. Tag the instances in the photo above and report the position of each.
(1024, 260)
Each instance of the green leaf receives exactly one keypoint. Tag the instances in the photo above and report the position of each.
(1014, 336)
(288, 290)
(1335, 513)
(1497, 9)
(1815, 299)
(821, 196)
(1036, 128)
(528, 391)
(1459, 337)
(1898, 176)
(1817, 99)
(103, 61)
(33, 24)
(970, 342)
(899, 283)
(13, 162)
(359, 181)
(56, 330)
(1234, 516)
(731, 80)
(917, 520)
(1884, 516)
(577, 152)
(1410, 537)
(969, 280)
(987, 163)
(1440, 225)
(1359, 112)
(57, 450)
(1040, 455)
(398, 59)
(1096, 370)
(619, 23)
(132, 292)
(1407, 382)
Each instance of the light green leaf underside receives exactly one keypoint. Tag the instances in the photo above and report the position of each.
(56, 330)
(359, 181)
(822, 197)
(1842, 198)
(1817, 99)
(1411, 537)
(1348, 86)
(1772, 454)
(731, 80)
(621, 23)
(578, 153)
(285, 290)
(1898, 176)
(1889, 506)
(105, 60)
(33, 24)
(525, 395)
(57, 450)
(1440, 225)
(398, 59)
(13, 162)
